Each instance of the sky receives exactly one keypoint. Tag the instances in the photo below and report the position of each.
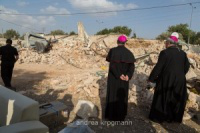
(146, 24)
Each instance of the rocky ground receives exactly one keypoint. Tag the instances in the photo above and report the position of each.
(32, 80)
(74, 70)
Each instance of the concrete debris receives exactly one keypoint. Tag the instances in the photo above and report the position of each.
(83, 52)
(193, 102)
(192, 62)
(149, 95)
(82, 33)
(153, 58)
(85, 109)
(192, 97)
(191, 74)
(195, 62)
(195, 48)
(36, 42)
(188, 115)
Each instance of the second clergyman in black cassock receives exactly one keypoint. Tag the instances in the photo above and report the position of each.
(170, 94)
(121, 69)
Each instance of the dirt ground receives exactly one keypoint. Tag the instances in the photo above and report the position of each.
(29, 80)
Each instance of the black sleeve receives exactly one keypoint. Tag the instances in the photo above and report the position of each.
(158, 68)
(187, 64)
(114, 70)
(15, 52)
(109, 55)
(0, 51)
(131, 70)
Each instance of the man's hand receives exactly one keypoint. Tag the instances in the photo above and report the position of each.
(16, 58)
(127, 78)
(122, 77)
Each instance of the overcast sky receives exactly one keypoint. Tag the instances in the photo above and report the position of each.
(145, 23)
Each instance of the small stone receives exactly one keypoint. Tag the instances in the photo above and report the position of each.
(191, 74)
(188, 115)
(86, 109)
(194, 98)
(153, 59)
(192, 61)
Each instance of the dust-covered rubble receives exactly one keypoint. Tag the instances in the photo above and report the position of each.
(92, 55)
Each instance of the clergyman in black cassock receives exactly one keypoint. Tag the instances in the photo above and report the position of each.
(170, 94)
(121, 64)
(9, 56)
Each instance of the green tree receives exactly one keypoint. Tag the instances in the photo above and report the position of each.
(11, 34)
(165, 35)
(185, 31)
(134, 35)
(192, 37)
(103, 32)
(197, 38)
(72, 33)
(118, 30)
(182, 29)
(57, 32)
(122, 30)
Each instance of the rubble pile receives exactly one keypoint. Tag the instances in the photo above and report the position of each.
(71, 53)
(89, 52)
(77, 53)
(84, 84)
(194, 59)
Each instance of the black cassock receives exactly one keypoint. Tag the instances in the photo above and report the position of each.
(170, 95)
(121, 62)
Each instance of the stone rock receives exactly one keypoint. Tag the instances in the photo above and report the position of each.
(192, 62)
(135, 88)
(194, 101)
(86, 109)
(188, 115)
(153, 58)
(89, 80)
(82, 33)
(191, 74)
(55, 82)
(62, 86)
(194, 98)
(149, 95)
(133, 99)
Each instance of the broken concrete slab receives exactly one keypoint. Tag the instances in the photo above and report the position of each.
(82, 33)
(188, 115)
(86, 109)
(191, 74)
